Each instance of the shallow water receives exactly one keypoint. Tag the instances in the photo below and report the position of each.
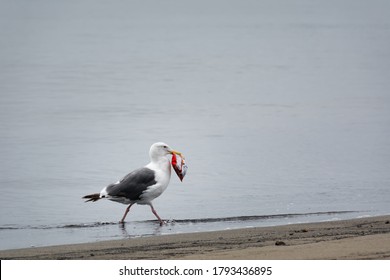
(55, 234)
(281, 107)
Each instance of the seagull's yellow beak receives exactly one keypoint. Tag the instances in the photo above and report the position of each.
(173, 152)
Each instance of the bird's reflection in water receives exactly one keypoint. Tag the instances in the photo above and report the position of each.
(155, 229)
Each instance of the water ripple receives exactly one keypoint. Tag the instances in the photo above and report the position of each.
(181, 221)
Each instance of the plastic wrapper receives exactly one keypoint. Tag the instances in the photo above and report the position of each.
(179, 165)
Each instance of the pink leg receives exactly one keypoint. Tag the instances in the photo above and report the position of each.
(157, 216)
(124, 216)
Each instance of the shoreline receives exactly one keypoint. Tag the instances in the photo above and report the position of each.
(362, 238)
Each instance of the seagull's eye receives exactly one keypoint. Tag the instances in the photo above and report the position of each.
(165, 147)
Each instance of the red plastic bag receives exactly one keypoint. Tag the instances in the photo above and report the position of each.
(179, 165)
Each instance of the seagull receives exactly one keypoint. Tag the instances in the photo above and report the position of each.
(142, 185)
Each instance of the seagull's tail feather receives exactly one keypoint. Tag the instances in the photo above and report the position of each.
(92, 197)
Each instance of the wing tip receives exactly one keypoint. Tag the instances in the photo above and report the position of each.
(92, 197)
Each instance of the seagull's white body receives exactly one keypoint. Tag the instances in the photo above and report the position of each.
(162, 169)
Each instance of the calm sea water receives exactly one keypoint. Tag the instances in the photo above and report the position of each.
(281, 108)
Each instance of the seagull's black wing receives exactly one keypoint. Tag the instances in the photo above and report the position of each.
(133, 184)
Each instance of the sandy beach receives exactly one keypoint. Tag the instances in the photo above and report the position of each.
(364, 238)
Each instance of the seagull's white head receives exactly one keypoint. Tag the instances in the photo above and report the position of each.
(160, 149)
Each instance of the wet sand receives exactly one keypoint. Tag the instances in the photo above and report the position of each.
(365, 238)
